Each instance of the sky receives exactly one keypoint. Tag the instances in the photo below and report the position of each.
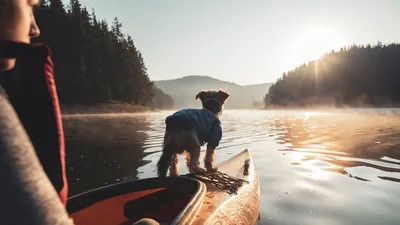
(246, 42)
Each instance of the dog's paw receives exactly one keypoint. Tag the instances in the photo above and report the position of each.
(173, 174)
(199, 171)
(212, 169)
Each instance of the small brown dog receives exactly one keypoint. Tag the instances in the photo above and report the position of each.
(188, 129)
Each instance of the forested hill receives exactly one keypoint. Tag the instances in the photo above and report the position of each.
(184, 90)
(94, 61)
(354, 76)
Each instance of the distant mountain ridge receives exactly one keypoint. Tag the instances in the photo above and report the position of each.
(183, 91)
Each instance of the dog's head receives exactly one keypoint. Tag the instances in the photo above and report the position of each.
(213, 100)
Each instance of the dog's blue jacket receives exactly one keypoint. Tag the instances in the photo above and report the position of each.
(204, 122)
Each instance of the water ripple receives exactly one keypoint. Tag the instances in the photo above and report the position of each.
(315, 167)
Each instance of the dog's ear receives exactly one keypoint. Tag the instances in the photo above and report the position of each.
(222, 96)
(200, 95)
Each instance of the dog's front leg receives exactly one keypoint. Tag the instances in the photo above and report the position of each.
(209, 160)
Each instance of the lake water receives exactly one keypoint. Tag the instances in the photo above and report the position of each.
(315, 167)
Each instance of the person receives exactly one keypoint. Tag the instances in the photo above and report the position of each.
(27, 81)
(33, 184)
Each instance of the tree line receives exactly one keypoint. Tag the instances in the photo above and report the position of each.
(352, 76)
(94, 61)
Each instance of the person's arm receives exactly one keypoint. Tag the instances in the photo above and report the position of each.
(26, 194)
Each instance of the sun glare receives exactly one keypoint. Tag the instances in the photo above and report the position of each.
(312, 44)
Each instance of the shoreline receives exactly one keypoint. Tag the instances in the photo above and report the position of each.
(124, 108)
(104, 108)
(322, 107)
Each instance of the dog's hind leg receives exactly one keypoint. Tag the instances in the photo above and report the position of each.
(167, 155)
(165, 161)
(173, 146)
(192, 147)
(174, 166)
(192, 161)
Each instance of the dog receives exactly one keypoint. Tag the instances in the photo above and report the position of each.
(189, 129)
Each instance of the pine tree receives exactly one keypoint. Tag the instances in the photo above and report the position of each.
(94, 63)
(75, 7)
(354, 76)
(94, 21)
(116, 30)
(56, 6)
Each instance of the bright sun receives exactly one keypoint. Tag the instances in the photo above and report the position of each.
(312, 44)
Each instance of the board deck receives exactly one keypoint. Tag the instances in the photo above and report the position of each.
(221, 208)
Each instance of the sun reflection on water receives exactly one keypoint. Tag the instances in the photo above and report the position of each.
(340, 142)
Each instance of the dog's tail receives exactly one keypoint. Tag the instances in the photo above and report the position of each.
(165, 160)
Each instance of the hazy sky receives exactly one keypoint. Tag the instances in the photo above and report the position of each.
(246, 41)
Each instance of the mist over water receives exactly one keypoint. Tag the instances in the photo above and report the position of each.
(315, 167)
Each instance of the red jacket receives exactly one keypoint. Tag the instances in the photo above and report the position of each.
(32, 91)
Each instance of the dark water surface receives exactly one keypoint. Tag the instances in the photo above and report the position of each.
(315, 167)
